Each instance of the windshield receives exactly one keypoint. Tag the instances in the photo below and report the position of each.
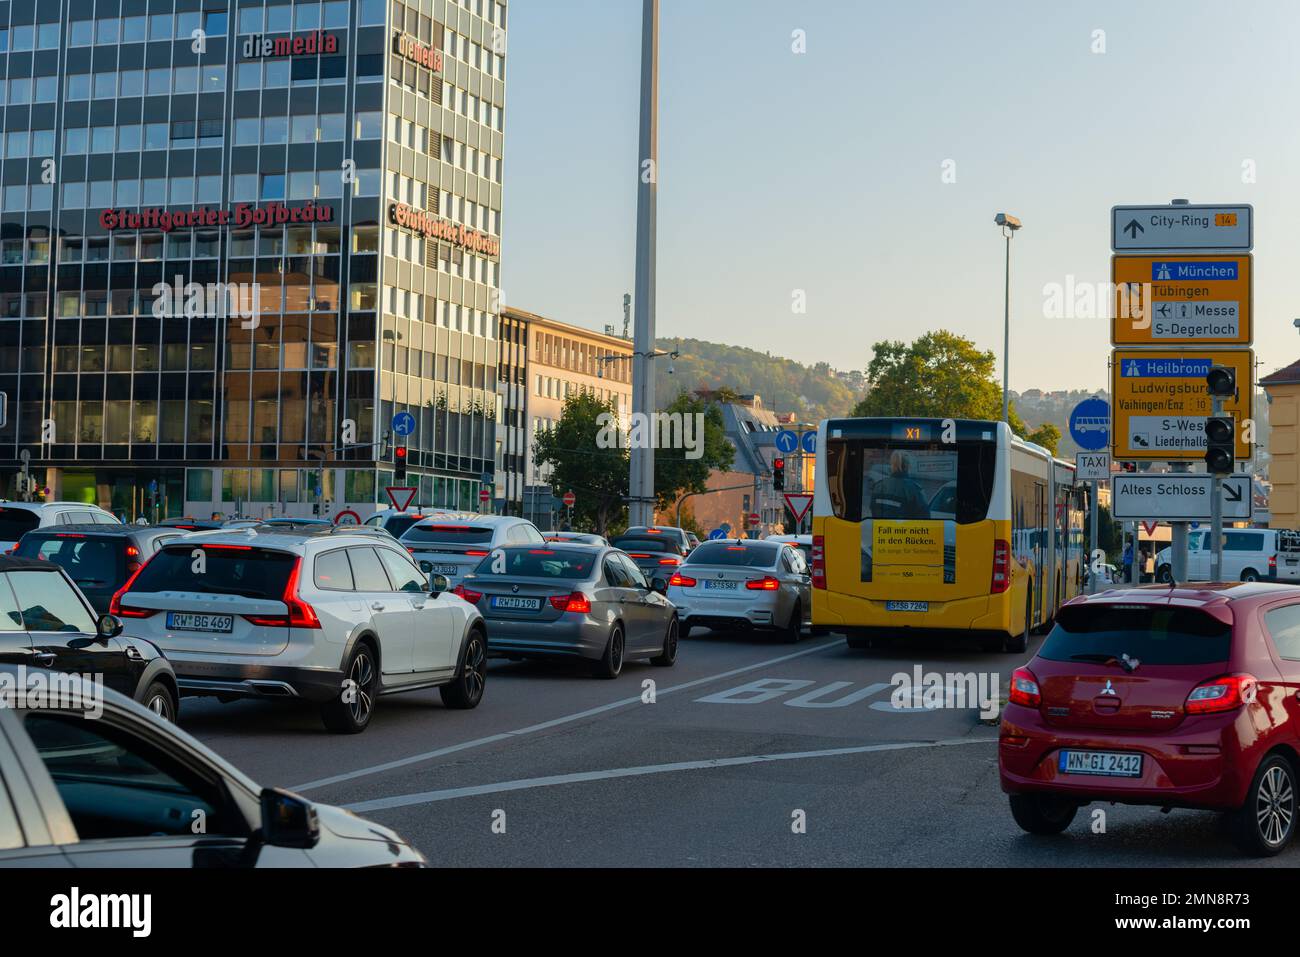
(570, 564)
(758, 555)
(1153, 634)
(923, 481)
(88, 561)
(225, 570)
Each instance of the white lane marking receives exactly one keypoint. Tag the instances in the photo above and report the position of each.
(428, 797)
(491, 739)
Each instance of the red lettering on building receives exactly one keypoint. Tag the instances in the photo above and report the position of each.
(243, 215)
(432, 227)
(408, 47)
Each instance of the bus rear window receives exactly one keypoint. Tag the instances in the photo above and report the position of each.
(930, 481)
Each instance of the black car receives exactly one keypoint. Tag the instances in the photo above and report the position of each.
(127, 791)
(656, 556)
(98, 558)
(46, 623)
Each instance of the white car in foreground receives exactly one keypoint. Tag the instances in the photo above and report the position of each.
(335, 616)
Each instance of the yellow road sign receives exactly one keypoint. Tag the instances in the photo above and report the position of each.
(1159, 401)
(1171, 301)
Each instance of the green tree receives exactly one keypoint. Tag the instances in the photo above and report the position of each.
(676, 473)
(597, 475)
(941, 376)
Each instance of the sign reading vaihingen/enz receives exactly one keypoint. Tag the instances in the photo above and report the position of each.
(1178, 498)
(1181, 228)
(1159, 402)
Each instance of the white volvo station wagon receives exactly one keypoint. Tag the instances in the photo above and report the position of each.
(337, 616)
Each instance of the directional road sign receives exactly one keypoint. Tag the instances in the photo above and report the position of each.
(1161, 402)
(1090, 424)
(809, 442)
(716, 534)
(786, 441)
(403, 424)
(1173, 228)
(1179, 498)
(1181, 300)
(1091, 467)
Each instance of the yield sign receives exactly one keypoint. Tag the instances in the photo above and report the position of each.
(1151, 527)
(401, 496)
(798, 503)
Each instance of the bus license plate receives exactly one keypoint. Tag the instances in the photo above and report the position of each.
(186, 621)
(1112, 764)
(907, 606)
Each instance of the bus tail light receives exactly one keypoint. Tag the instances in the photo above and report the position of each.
(819, 562)
(1001, 567)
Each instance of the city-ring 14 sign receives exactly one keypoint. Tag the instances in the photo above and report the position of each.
(433, 227)
(1160, 402)
(240, 216)
(1181, 300)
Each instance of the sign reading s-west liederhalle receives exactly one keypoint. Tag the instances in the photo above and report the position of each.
(1160, 401)
(1172, 301)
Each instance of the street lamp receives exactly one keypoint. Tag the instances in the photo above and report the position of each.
(1009, 226)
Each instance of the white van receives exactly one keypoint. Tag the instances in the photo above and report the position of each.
(1249, 554)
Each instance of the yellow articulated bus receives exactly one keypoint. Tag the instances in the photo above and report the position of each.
(941, 524)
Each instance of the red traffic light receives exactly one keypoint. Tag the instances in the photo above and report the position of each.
(778, 463)
(400, 452)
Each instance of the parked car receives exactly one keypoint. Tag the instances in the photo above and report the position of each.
(678, 535)
(98, 558)
(581, 601)
(46, 622)
(337, 616)
(658, 556)
(123, 791)
(1180, 697)
(743, 584)
(19, 518)
(578, 538)
(1249, 554)
(454, 547)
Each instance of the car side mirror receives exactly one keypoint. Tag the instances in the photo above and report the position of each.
(108, 626)
(437, 584)
(659, 585)
(288, 820)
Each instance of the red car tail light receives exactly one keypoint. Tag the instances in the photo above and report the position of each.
(766, 583)
(301, 614)
(1001, 580)
(670, 561)
(1221, 694)
(819, 562)
(468, 594)
(681, 581)
(476, 553)
(115, 606)
(1024, 689)
(575, 602)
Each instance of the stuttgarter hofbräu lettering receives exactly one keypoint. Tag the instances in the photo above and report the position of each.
(243, 214)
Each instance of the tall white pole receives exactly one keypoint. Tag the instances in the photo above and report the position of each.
(641, 479)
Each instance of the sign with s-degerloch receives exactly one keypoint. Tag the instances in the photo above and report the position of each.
(1173, 300)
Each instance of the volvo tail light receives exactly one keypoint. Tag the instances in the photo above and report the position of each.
(1222, 694)
(300, 614)
(1001, 580)
(115, 606)
(819, 562)
(1024, 689)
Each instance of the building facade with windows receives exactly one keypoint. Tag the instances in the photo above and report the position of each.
(562, 359)
(236, 238)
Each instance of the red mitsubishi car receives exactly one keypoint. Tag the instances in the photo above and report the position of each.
(1178, 696)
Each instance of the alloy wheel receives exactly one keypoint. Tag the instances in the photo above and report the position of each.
(475, 669)
(362, 675)
(1275, 806)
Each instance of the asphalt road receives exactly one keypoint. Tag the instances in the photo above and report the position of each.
(752, 752)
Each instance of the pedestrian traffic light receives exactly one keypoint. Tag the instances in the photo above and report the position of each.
(399, 465)
(1220, 444)
(1222, 381)
(778, 474)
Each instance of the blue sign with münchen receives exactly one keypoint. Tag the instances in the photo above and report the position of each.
(1192, 271)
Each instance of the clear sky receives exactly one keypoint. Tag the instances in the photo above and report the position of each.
(823, 171)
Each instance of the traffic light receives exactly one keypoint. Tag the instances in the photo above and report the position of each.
(1128, 466)
(399, 465)
(1222, 381)
(778, 474)
(1220, 444)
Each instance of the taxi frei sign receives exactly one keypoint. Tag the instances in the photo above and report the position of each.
(1160, 402)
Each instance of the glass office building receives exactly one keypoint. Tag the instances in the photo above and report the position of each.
(236, 238)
